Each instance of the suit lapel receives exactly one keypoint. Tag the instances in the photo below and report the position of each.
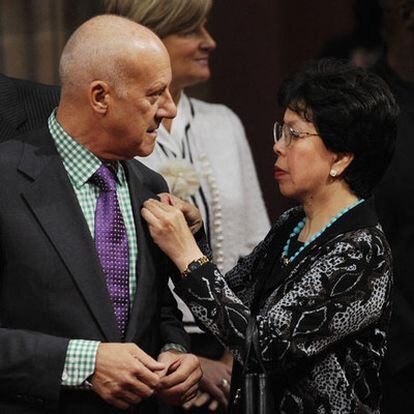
(146, 264)
(52, 200)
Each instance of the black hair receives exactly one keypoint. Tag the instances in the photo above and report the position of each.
(353, 111)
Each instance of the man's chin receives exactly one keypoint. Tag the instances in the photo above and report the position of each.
(152, 134)
(146, 150)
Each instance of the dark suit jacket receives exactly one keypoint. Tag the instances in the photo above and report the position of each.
(51, 284)
(24, 105)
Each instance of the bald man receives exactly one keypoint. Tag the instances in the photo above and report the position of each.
(87, 323)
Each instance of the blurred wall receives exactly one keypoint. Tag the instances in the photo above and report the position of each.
(259, 43)
(33, 32)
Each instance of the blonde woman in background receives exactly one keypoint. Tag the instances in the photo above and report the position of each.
(205, 157)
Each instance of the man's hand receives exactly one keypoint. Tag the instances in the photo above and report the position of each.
(124, 374)
(180, 382)
(191, 212)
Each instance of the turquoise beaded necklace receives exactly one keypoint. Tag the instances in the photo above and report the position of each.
(298, 228)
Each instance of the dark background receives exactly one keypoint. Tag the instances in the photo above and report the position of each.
(259, 43)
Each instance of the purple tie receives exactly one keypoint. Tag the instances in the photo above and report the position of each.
(111, 243)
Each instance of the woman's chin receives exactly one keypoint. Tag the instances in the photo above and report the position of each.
(292, 195)
(285, 191)
(197, 78)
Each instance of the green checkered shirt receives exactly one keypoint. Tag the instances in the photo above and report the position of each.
(81, 164)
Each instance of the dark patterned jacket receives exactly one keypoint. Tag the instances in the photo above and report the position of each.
(322, 319)
(24, 105)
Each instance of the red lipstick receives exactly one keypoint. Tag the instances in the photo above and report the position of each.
(279, 173)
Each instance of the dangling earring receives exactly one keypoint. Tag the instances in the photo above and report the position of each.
(333, 173)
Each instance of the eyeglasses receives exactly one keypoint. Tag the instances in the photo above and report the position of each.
(289, 134)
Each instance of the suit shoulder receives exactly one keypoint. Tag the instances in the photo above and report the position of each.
(151, 178)
(26, 87)
(39, 99)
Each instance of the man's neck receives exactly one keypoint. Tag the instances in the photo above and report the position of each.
(80, 130)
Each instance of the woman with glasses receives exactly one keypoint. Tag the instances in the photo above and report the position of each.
(319, 284)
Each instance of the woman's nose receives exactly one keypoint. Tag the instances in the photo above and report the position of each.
(278, 147)
(208, 42)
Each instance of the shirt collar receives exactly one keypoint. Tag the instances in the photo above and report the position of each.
(78, 161)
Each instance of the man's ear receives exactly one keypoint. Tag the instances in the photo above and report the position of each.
(341, 162)
(99, 96)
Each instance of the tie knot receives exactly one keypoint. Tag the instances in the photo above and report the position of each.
(104, 178)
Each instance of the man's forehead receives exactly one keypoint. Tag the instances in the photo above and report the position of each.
(154, 68)
(152, 81)
(151, 55)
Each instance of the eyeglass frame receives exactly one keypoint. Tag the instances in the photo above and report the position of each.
(290, 137)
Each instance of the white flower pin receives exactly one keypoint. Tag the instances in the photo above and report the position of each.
(181, 177)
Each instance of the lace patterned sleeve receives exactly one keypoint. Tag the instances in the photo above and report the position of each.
(344, 288)
(240, 278)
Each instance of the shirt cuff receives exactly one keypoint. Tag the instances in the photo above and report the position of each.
(79, 362)
(175, 347)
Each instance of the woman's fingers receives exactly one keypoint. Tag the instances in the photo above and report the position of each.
(158, 208)
(166, 214)
(150, 217)
(166, 198)
(202, 399)
(159, 205)
(213, 405)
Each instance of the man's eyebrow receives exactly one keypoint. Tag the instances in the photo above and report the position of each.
(159, 87)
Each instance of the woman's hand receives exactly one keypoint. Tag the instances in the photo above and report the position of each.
(169, 230)
(214, 385)
(190, 211)
(216, 380)
(201, 399)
